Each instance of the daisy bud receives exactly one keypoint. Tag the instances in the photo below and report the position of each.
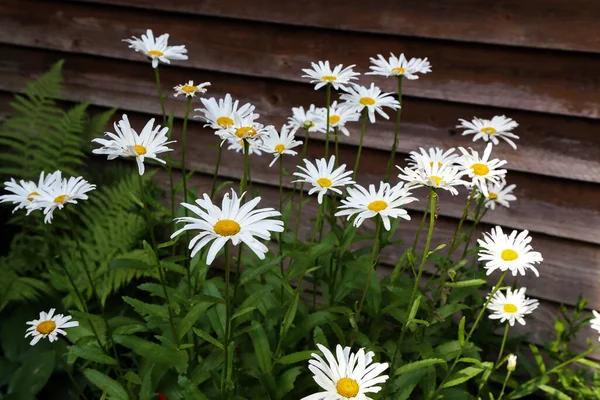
(512, 363)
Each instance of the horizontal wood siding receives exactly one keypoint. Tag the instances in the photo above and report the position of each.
(535, 61)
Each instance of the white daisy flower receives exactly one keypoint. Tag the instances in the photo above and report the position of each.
(498, 193)
(504, 252)
(595, 322)
(310, 119)
(49, 326)
(399, 66)
(220, 114)
(245, 128)
(24, 192)
(280, 143)
(59, 193)
(511, 365)
(511, 307)
(359, 97)
(339, 116)
(190, 90)
(322, 74)
(127, 143)
(233, 221)
(386, 202)
(435, 155)
(351, 376)
(433, 176)
(324, 177)
(482, 170)
(490, 130)
(238, 146)
(157, 49)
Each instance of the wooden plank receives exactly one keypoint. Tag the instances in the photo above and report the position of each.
(550, 145)
(555, 207)
(475, 74)
(558, 282)
(505, 22)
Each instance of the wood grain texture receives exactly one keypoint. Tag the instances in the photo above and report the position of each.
(553, 24)
(540, 324)
(514, 78)
(566, 209)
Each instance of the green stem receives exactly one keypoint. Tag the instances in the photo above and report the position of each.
(372, 267)
(360, 145)
(160, 96)
(244, 181)
(216, 174)
(315, 274)
(185, 191)
(80, 393)
(497, 364)
(337, 157)
(224, 389)
(504, 384)
(161, 271)
(328, 105)
(281, 210)
(478, 219)
(432, 204)
(487, 302)
(398, 118)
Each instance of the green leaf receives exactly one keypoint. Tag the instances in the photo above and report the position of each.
(538, 357)
(151, 351)
(461, 330)
(261, 346)
(555, 393)
(285, 383)
(128, 263)
(406, 383)
(205, 336)
(419, 364)
(106, 384)
(92, 353)
(462, 376)
(147, 309)
(32, 376)
(242, 312)
(296, 357)
(468, 283)
(192, 316)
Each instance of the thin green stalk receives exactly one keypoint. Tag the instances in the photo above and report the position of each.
(227, 322)
(160, 96)
(360, 144)
(161, 271)
(418, 235)
(398, 118)
(185, 191)
(478, 219)
(374, 256)
(281, 210)
(244, 181)
(468, 337)
(497, 364)
(328, 105)
(80, 393)
(432, 204)
(315, 274)
(216, 174)
(299, 213)
(504, 384)
(337, 156)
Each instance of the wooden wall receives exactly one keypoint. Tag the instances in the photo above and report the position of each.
(535, 61)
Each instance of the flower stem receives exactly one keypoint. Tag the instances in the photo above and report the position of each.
(80, 393)
(244, 181)
(160, 96)
(161, 271)
(185, 191)
(504, 384)
(432, 204)
(281, 210)
(337, 158)
(328, 105)
(478, 217)
(360, 145)
(227, 318)
(216, 174)
(398, 118)
(497, 364)
(471, 331)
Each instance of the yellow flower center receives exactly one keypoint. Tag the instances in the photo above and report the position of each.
(245, 132)
(509, 255)
(347, 387)
(155, 53)
(279, 148)
(366, 101)
(510, 308)
(439, 163)
(480, 169)
(324, 182)
(139, 149)
(377, 205)
(398, 70)
(328, 78)
(492, 196)
(189, 89)
(489, 130)
(224, 121)
(46, 327)
(435, 179)
(30, 196)
(334, 119)
(226, 227)
(60, 199)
